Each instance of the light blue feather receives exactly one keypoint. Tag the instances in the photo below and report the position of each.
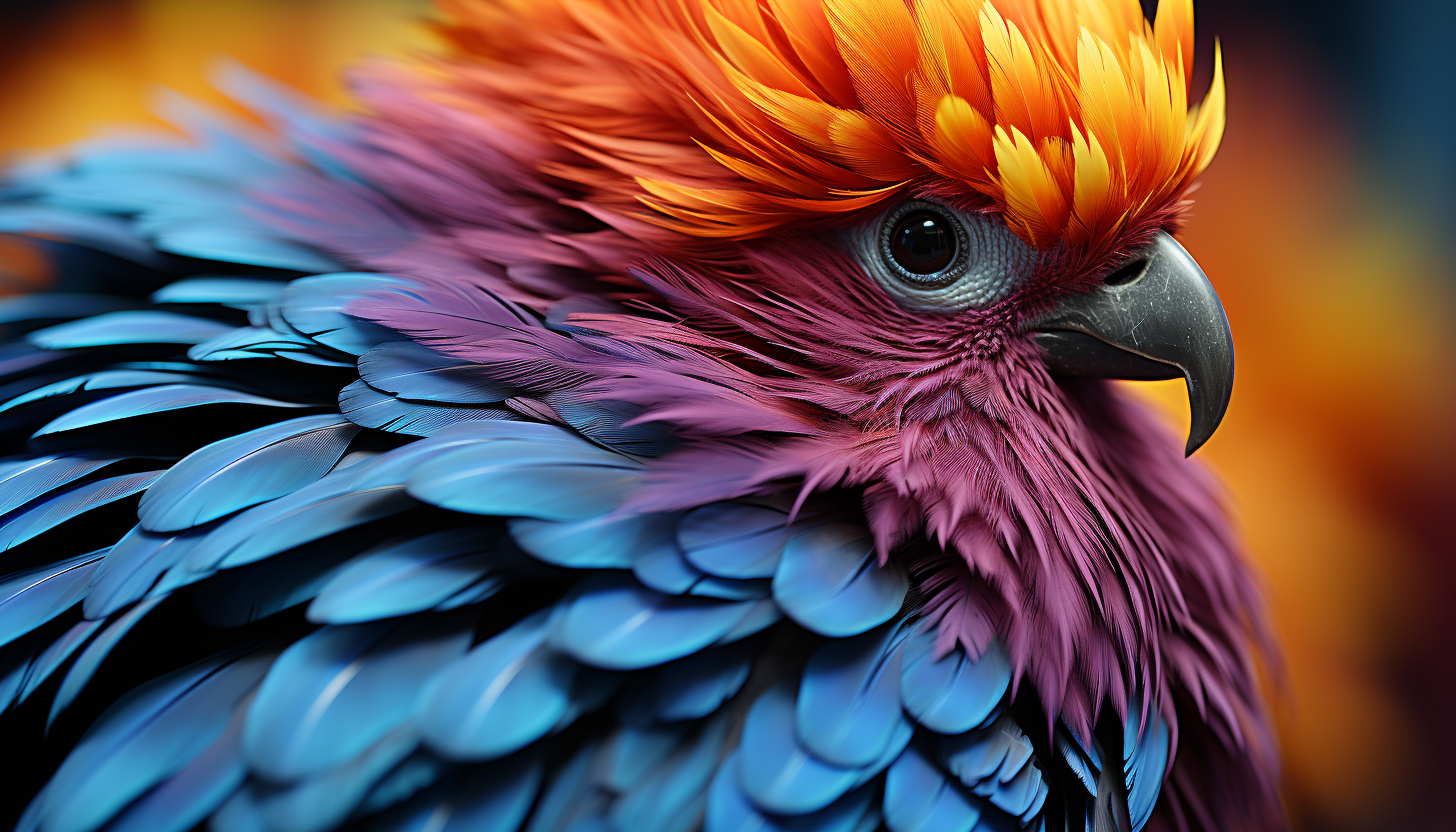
(1145, 760)
(489, 798)
(49, 660)
(239, 813)
(251, 342)
(147, 736)
(952, 694)
(315, 307)
(30, 598)
(919, 798)
(323, 802)
(730, 810)
(187, 797)
(132, 568)
(233, 292)
(108, 234)
(58, 507)
(571, 800)
(662, 567)
(506, 693)
(412, 371)
(47, 306)
(735, 540)
(245, 470)
(95, 653)
(698, 685)
(777, 773)
(607, 422)
(418, 772)
(245, 243)
(611, 621)
(673, 797)
(141, 326)
(986, 756)
(253, 591)
(633, 752)
(150, 400)
(23, 480)
(603, 542)
(830, 582)
(848, 708)
(99, 381)
(408, 576)
(337, 691)
(334, 503)
(368, 407)
(559, 480)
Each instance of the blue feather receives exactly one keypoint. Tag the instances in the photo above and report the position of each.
(368, 407)
(50, 306)
(233, 292)
(141, 326)
(50, 659)
(982, 758)
(636, 751)
(830, 582)
(672, 798)
(662, 567)
(490, 798)
(698, 685)
(248, 342)
(848, 708)
(606, 422)
(336, 502)
(418, 772)
(604, 542)
(95, 653)
(919, 798)
(151, 400)
(1145, 759)
(15, 661)
(763, 614)
(735, 540)
(334, 693)
(325, 801)
(191, 794)
(315, 307)
(730, 810)
(408, 576)
(104, 380)
(952, 694)
(107, 234)
(506, 693)
(245, 470)
(557, 480)
(526, 480)
(246, 243)
(132, 567)
(609, 620)
(776, 771)
(23, 480)
(239, 813)
(571, 800)
(415, 372)
(147, 736)
(55, 509)
(31, 598)
(253, 591)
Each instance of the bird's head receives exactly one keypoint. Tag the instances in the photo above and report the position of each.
(871, 245)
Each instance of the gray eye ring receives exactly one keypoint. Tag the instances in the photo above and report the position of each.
(951, 273)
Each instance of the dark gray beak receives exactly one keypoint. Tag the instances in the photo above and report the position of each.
(1156, 317)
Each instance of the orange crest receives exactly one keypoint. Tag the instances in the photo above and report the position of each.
(735, 118)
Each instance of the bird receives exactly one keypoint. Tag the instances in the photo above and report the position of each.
(645, 416)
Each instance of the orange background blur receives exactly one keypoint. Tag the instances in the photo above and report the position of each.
(1338, 448)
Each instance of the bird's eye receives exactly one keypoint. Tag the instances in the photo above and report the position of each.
(934, 258)
(923, 243)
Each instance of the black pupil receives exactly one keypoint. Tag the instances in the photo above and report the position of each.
(922, 243)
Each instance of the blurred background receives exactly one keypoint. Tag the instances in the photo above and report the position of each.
(1326, 223)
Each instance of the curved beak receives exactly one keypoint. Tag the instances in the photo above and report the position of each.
(1155, 318)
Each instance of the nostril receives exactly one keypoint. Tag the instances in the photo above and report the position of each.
(1128, 273)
